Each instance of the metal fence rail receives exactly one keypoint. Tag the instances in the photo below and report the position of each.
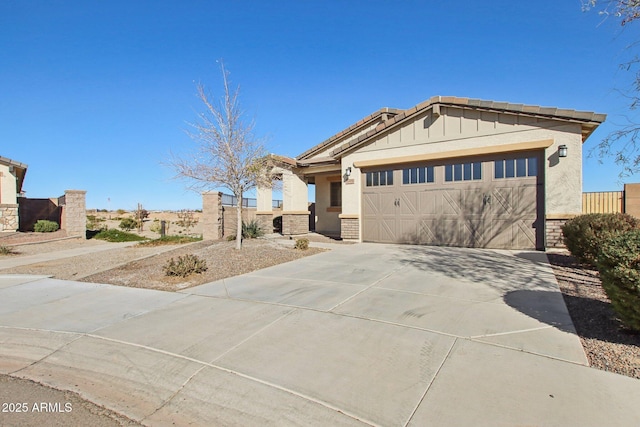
(247, 202)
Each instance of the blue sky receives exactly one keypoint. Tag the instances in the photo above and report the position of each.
(95, 94)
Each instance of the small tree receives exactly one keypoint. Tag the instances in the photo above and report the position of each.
(229, 155)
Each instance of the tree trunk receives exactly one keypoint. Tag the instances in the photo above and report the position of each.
(239, 215)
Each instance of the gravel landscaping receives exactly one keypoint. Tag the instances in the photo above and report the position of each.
(608, 345)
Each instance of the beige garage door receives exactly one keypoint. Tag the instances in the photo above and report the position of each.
(489, 202)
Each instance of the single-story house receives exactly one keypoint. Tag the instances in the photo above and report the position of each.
(11, 178)
(449, 171)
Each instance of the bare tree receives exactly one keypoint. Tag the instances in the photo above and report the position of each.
(622, 144)
(228, 153)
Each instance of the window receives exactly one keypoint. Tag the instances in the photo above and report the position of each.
(418, 175)
(463, 172)
(375, 179)
(335, 194)
(512, 168)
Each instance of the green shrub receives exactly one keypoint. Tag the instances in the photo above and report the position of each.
(186, 265)
(45, 226)
(251, 229)
(302, 244)
(114, 235)
(128, 224)
(93, 223)
(583, 234)
(619, 267)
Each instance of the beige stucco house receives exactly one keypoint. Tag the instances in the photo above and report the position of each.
(11, 178)
(449, 171)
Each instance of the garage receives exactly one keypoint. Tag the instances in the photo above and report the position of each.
(489, 202)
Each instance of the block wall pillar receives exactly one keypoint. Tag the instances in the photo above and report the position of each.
(212, 219)
(74, 213)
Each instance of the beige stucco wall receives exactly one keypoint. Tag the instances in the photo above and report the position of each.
(327, 220)
(430, 134)
(8, 194)
(295, 194)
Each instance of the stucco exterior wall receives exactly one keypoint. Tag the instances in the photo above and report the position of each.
(8, 194)
(428, 134)
(327, 220)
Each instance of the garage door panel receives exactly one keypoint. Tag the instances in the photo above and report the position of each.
(492, 213)
(428, 203)
(450, 202)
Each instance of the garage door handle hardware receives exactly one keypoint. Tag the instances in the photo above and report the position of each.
(486, 199)
(396, 202)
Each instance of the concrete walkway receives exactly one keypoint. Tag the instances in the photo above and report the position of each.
(362, 335)
(11, 262)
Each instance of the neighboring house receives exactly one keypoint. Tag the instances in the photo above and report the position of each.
(11, 178)
(449, 171)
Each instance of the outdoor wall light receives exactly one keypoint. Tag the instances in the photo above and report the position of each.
(347, 171)
(562, 151)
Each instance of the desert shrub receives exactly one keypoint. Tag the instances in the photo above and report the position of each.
(251, 229)
(302, 244)
(121, 212)
(583, 234)
(155, 226)
(114, 235)
(7, 250)
(184, 266)
(619, 266)
(128, 224)
(93, 223)
(170, 240)
(231, 237)
(45, 226)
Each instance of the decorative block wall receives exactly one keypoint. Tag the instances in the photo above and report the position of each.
(74, 213)
(350, 228)
(554, 232)
(212, 221)
(8, 217)
(295, 223)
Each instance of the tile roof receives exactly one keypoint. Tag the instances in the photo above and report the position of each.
(391, 117)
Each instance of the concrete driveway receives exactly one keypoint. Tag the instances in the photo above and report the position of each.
(366, 334)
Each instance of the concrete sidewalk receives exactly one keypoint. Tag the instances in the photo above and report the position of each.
(17, 261)
(362, 335)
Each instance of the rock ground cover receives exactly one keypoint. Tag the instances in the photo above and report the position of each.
(608, 345)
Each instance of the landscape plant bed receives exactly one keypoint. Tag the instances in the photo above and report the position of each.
(222, 259)
(608, 345)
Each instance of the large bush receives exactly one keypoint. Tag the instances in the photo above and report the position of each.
(584, 234)
(45, 226)
(619, 266)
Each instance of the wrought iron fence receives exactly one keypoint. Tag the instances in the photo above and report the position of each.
(247, 202)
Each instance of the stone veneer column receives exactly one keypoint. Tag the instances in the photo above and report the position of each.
(264, 209)
(295, 223)
(212, 215)
(9, 217)
(553, 230)
(349, 227)
(74, 213)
